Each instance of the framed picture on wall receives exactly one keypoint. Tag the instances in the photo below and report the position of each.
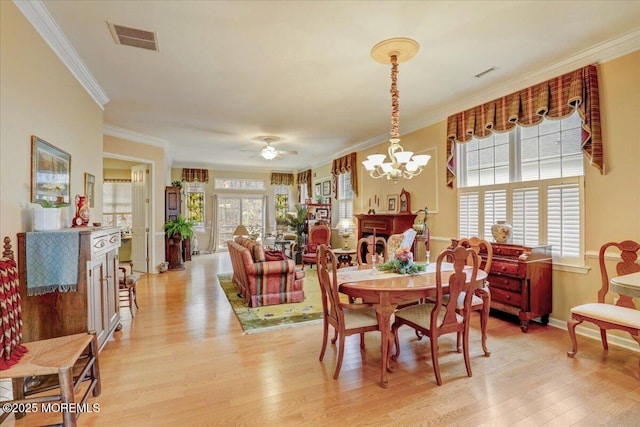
(90, 188)
(392, 203)
(50, 173)
(318, 189)
(326, 188)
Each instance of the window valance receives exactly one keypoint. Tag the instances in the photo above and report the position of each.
(280, 178)
(191, 175)
(555, 98)
(304, 177)
(347, 163)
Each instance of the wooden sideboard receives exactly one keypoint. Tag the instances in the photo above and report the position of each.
(94, 306)
(520, 280)
(385, 225)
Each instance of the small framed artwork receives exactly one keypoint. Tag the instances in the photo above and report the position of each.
(90, 188)
(318, 189)
(50, 173)
(326, 188)
(392, 203)
(322, 213)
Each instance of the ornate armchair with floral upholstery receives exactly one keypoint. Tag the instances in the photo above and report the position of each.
(319, 234)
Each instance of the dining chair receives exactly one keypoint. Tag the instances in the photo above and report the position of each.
(623, 315)
(70, 359)
(435, 319)
(481, 299)
(319, 234)
(365, 250)
(345, 318)
(127, 283)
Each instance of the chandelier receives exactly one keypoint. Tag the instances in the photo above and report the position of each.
(401, 164)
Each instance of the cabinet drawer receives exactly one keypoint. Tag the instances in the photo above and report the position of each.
(506, 297)
(506, 283)
(513, 269)
(102, 243)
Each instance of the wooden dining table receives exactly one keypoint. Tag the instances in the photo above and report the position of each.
(387, 290)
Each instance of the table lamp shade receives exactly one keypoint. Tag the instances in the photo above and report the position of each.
(241, 230)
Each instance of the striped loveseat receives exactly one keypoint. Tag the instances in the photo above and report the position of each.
(262, 282)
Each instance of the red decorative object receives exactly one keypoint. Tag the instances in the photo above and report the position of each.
(82, 212)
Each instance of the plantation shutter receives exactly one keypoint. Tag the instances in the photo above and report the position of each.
(525, 216)
(563, 219)
(469, 214)
(495, 209)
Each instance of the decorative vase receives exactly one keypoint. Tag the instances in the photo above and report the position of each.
(501, 231)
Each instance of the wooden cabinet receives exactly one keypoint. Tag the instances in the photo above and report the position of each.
(520, 280)
(93, 306)
(171, 203)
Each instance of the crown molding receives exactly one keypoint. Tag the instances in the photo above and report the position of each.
(597, 54)
(40, 18)
(134, 136)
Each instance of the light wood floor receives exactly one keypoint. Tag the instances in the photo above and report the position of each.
(184, 361)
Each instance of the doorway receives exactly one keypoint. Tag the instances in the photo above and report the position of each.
(126, 204)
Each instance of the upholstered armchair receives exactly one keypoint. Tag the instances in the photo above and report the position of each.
(319, 234)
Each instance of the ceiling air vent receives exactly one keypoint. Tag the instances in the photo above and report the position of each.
(133, 37)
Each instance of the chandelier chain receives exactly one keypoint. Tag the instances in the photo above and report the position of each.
(395, 95)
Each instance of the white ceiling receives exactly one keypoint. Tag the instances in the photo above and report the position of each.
(228, 72)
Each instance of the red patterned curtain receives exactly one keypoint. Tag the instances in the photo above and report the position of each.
(199, 175)
(280, 178)
(304, 177)
(555, 98)
(345, 164)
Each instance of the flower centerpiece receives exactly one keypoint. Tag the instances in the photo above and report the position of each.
(402, 263)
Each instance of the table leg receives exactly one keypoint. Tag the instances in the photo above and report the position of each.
(384, 312)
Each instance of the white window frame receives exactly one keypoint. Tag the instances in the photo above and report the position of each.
(345, 199)
(473, 206)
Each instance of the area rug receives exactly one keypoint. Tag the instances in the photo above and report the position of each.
(261, 319)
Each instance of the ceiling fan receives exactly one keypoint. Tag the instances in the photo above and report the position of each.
(269, 152)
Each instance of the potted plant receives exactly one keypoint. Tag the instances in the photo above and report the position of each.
(177, 230)
(296, 221)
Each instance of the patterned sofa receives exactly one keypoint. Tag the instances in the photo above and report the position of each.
(263, 282)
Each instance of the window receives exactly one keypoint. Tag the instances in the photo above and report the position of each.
(195, 204)
(304, 193)
(282, 195)
(345, 197)
(239, 184)
(531, 177)
(116, 205)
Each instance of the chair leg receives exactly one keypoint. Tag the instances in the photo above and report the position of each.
(361, 340)
(65, 377)
(135, 296)
(95, 370)
(484, 319)
(340, 355)
(325, 337)
(603, 336)
(465, 348)
(434, 359)
(335, 336)
(571, 328)
(637, 338)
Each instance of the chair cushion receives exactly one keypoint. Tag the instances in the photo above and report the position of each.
(360, 318)
(476, 301)
(421, 314)
(610, 313)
